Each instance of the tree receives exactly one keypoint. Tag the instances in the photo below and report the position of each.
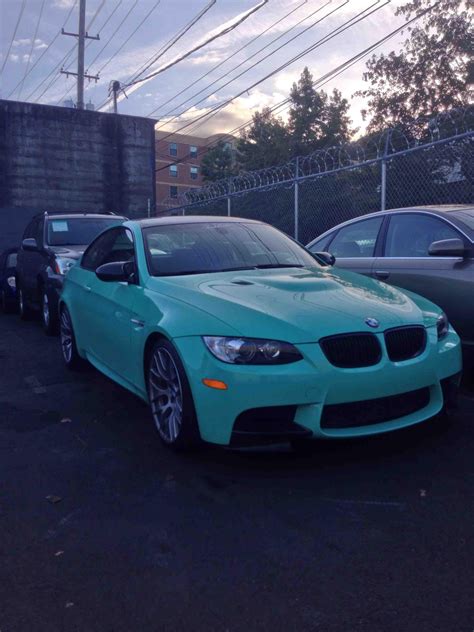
(218, 163)
(317, 120)
(431, 72)
(265, 143)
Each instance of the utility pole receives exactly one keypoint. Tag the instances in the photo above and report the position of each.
(82, 35)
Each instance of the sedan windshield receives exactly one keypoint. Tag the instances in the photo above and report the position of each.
(219, 247)
(77, 231)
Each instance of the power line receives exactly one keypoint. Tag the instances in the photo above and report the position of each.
(322, 80)
(47, 47)
(348, 24)
(161, 51)
(64, 60)
(312, 25)
(32, 47)
(129, 37)
(124, 19)
(225, 31)
(233, 54)
(22, 8)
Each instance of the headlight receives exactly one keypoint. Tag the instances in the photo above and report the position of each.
(442, 324)
(11, 281)
(251, 350)
(62, 265)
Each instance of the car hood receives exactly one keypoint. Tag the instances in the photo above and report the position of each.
(297, 305)
(68, 252)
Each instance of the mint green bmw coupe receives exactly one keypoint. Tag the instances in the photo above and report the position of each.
(236, 335)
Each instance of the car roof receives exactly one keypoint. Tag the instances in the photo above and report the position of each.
(193, 219)
(59, 215)
(442, 210)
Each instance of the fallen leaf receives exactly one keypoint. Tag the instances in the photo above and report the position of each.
(66, 420)
(69, 604)
(422, 493)
(58, 553)
(54, 499)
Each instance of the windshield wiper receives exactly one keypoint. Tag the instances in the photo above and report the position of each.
(264, 266)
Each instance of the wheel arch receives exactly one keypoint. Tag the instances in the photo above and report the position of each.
(155, 336)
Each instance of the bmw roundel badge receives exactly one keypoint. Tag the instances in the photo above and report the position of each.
(372, 322)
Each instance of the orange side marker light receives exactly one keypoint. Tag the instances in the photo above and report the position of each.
(217, 384)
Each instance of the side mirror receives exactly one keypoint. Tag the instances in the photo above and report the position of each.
(326, 258)
(116, 271)
(447, 248)
(29, 244)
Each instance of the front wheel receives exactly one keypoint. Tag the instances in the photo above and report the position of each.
(48, 314)
(71, 357)
(170, 397)
(23, 309)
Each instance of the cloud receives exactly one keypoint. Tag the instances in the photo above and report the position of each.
(26, 41)
(14, 57)
(63, 4)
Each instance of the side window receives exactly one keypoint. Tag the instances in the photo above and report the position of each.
(357, 240)
(113, 245)
(321, 244)
(410, 235)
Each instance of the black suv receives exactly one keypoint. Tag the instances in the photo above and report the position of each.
(51, 244)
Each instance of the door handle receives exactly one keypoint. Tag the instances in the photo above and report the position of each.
(87, 288)
(137, 322)
(382, 274)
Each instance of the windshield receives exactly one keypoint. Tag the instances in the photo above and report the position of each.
(77, 231)
(219, 247)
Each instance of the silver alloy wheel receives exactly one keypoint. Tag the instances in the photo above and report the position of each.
(66, 336)
(46, 314)
(166, 395)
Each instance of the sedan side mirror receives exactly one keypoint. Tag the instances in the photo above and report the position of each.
(116, 271)
(326, 258)
(447, 248)
(29, 244)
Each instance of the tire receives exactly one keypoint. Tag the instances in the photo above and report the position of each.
(23, 309)
(170, 397)
(49, 317)
(71, 357)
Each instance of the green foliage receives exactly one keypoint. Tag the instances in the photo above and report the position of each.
(316, 120)
(431, 72)
(218, 163)
(265, 143)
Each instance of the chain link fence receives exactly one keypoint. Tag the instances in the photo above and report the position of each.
(432, 163)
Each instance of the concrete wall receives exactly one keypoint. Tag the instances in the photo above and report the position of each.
(62, 159)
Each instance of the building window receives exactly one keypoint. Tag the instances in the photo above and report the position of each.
(173, 149)
(193, 151)
(193, 173)
(173, 191)
(174, 171)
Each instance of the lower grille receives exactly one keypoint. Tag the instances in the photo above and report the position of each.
(271, 424)
(374, 411)
(405, 343)
(351, 351)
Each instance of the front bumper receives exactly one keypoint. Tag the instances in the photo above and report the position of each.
(313, 384)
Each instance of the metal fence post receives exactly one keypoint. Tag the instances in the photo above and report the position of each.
(228, 206)
(297, 203)
(383, 183)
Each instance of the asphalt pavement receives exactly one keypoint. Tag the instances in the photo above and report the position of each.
(103, 529)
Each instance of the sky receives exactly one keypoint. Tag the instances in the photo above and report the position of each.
(36, 54)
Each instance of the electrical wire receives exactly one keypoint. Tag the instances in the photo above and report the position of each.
(210, 39)
(22, 8)
(129, 37)
(32, 47)
(161, 51)
(66, 57)
(117, 29)
(329, 76)
(47, 47)
(233, 54)
(335, 32)
(302, 32)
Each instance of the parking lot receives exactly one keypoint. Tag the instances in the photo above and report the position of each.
(369, 536)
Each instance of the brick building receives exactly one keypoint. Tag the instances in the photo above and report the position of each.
(178, 165)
